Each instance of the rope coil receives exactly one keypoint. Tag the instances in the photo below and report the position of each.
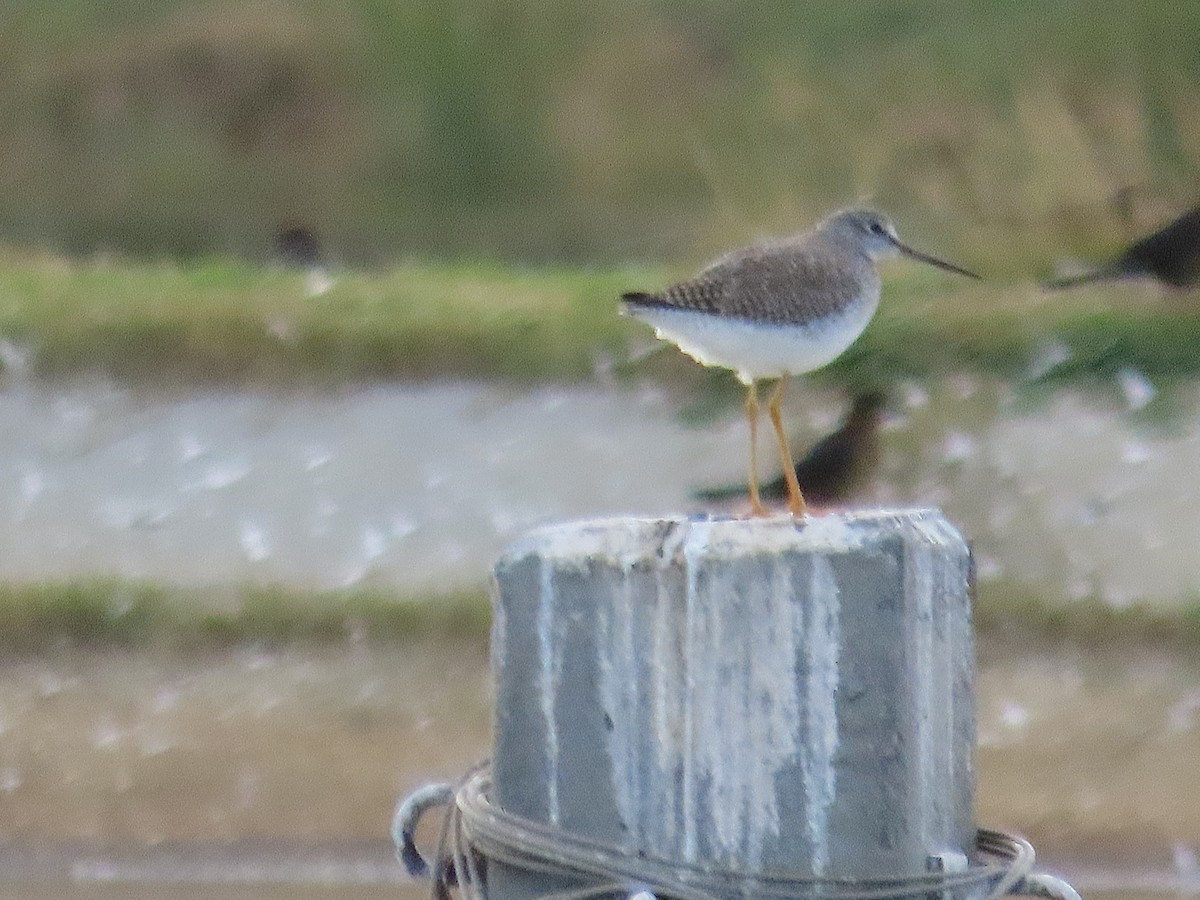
(476, 832)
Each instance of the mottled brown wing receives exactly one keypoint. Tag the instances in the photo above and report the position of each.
(783, 283)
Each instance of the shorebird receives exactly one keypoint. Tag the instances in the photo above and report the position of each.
(1171, 255)
(780, 308)
(836, 466)
(297, 247)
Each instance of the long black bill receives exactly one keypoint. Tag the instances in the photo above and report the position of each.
(931, 260)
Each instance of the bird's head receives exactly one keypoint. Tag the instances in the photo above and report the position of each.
(872, 231)
(875, 234)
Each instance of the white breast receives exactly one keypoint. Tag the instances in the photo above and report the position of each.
(755, 351)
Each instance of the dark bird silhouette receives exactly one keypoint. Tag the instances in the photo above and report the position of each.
(836, 466)
(1170, 255)
(297, 246)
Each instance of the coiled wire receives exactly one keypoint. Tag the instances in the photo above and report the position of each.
(475, 832)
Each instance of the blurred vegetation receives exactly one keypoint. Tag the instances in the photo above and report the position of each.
(221, 321)
(1001, 134)
(35, 617)
(1013, 614)
(214, 321)
(116, 613)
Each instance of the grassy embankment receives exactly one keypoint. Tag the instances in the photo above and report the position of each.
(114, 613)
(222, 322)
(105, 613)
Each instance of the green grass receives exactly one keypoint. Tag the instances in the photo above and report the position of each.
(225, 322)
(1014, 614)
(137, 615)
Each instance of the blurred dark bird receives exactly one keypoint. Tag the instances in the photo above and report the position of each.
(837, 466)
(297, 247)
(1170, 255)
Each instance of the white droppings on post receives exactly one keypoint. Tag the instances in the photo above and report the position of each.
(723, 732)
(573, 548)
(666, 686)
(695, 544)
(610, 539)
(728, 729)
(822, 645)
(670, 712)
(617, 663)
(751, 709)
(629, 684)
(936, 531)
(496, 651)
(549, 683)
(919, 578)
(732, 668)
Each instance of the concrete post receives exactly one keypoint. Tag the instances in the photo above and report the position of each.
(751, 694)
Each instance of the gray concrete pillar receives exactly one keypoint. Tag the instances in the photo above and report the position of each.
(753, 694)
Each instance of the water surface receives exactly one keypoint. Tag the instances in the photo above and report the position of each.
(418, 487)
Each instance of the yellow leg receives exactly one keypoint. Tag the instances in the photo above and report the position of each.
(756, 507)
(795, 498)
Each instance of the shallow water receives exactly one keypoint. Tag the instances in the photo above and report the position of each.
(413, 486)
(421, 486)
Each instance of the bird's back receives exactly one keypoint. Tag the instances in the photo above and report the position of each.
(784, 282)
(1171, 254)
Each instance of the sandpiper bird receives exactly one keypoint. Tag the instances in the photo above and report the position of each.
(780, 308)
(837, 465)
(1171, 254)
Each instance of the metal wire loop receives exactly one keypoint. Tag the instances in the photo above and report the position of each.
(475, 832)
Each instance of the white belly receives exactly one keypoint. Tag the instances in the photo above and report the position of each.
(756, 351)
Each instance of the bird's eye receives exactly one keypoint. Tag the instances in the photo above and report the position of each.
(877, 228)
